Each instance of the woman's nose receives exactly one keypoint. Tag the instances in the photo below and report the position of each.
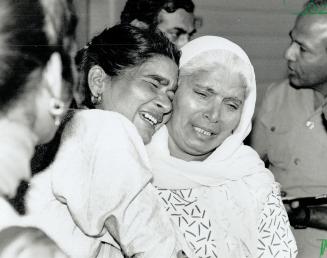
(213, 113)
(164, 103)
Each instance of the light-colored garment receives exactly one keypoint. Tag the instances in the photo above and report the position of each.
(99, 183)
(8, 216)
(290, 131)
(232, 186)
(17, 145)
(237, 206)
(16, 149)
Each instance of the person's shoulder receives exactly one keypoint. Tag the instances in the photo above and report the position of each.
(261, 182)
(98, 116)
(97, 122)
(274, 98)
(277, 89)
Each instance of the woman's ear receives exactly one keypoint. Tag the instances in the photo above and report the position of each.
(52, 74)
(96, 80)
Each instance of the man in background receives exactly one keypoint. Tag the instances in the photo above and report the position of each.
(174, 18)
(290, 131)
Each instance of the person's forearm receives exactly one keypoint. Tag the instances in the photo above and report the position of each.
(318, 217)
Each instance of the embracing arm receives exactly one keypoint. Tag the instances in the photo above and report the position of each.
(302, 216)
(104, 182)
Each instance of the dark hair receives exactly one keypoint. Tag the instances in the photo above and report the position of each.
(147, 10)
(115, 49)
(313, 6)
(30, 32)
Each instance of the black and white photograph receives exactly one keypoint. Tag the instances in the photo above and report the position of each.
(163, 128)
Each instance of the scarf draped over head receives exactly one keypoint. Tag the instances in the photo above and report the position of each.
(231, 160)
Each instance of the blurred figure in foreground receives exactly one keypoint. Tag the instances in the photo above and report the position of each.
(36, 38)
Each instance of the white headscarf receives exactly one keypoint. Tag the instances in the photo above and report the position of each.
(231, 160)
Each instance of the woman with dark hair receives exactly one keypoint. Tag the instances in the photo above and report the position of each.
(95, 199)
(36, 38)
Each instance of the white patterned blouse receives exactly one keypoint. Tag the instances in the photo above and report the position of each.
(196, 224)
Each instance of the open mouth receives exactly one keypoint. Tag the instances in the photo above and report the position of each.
(150, 118)
(290, 69)
(202, 131)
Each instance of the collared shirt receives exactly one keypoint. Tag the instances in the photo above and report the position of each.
(292, 134)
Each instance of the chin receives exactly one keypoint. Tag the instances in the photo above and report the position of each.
(294, 82)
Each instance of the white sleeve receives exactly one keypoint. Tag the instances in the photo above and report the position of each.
(102, 175)
(99, 169)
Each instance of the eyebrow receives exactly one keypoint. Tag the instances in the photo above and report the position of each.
(298, 42)
(182, 31)
(235, 99)
(208, 89)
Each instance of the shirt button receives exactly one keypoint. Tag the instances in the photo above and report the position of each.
(273, 128)
(297, 161)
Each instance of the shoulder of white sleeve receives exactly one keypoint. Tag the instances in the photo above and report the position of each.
(92, 136)
(262, 184)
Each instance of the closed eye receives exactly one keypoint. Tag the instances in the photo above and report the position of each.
(200, 93)
(153, 83)
(233, 107)
(303, 49)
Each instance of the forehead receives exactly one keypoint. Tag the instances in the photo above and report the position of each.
(220, 80)
(160, 66)
(310, 29)
(179, 19)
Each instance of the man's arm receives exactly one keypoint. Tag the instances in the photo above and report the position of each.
(301, 216)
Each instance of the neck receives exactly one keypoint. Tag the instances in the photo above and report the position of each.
(16, 149)
(322, 89)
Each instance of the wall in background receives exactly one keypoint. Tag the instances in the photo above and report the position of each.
(261, 27)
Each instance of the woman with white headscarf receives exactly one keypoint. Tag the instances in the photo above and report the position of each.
(223, 200)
